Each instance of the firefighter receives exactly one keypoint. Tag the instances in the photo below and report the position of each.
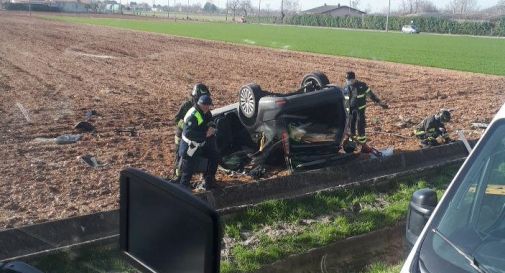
(356, 93)
(199, 89)
(433, 128)
(198, 140)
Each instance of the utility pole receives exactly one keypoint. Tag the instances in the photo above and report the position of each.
(30, 7)
(282, 11)
(168, 9)
(259, 10)
(227, 10)
(387, 17)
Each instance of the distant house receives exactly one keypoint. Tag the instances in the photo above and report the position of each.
(335, 11)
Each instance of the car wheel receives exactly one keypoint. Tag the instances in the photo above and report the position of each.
(249, 96)
(314, 81)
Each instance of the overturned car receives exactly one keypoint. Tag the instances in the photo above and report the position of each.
(303, 129)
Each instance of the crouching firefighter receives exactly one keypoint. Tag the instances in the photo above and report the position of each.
(431, 131)
(356, 93)
(198, 90)
(198, 140)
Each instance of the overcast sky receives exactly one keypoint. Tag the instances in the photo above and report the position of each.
(373, 5)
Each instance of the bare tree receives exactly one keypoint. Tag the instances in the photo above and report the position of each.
(291, 6)
(462, 6)
(426, 6)
(233, 5)
(408, 6)
(245, 6)
(416, 6)
(355, 4)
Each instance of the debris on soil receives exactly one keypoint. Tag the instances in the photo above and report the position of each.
(131, 130)
(63, 139)
(44, 140)
(84, 127)
(67, 139)
(89, 114)
(24, 112)
(479, 125)
(91, 161)
(404, 122)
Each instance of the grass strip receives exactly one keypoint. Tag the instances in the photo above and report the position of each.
(465, 53)
(383, 268)
(346, 213)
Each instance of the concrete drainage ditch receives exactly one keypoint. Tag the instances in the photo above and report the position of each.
(43, 238)
(349, 255)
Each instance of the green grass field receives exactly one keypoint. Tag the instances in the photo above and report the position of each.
(474, 54)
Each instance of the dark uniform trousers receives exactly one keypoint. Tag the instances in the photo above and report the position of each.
(188, 163)
(358, 116)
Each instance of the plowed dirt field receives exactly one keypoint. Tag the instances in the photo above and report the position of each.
(52, 73)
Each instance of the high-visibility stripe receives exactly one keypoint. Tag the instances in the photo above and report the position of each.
(418, 133)
(368, 90)
(193, 112)
(362, 139)
(198, 117)
(189, 113)
(362, 107)
(180, 124)
(361, 96)
(431, 130)
(346, 97)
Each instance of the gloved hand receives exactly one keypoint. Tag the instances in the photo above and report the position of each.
(211, 131)
(383, 105)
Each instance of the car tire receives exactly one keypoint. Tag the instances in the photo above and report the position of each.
(249, 96)
(318, 79)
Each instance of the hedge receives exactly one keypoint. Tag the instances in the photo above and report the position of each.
(378, 22)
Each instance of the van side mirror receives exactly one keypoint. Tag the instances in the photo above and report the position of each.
(421, 207)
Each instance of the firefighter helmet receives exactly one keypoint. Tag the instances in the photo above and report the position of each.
(198, 90)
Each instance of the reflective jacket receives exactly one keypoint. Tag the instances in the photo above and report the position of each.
(356, 94)
(179, 117)
(196, 124)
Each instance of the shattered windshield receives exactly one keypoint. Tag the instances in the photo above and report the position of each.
(474, 219)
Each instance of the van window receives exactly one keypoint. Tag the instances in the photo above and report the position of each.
(474, 217)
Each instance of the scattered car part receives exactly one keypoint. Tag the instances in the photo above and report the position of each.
(84, 126)
(67, 139)
(89, 114)
(478, 125)
(131, 130)
(462, 137)
(24, 112)
(92, 162)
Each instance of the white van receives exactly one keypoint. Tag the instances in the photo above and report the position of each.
(466, 231)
